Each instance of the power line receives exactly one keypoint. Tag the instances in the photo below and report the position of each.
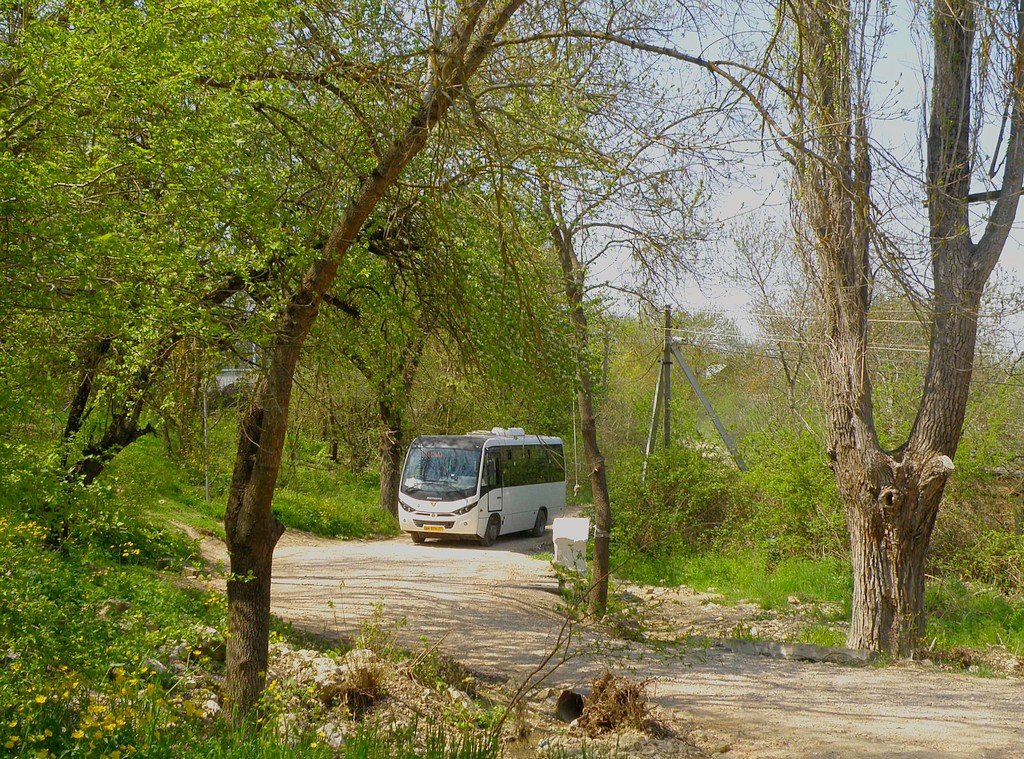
(796, 341)
(785, 339)
(746, 352)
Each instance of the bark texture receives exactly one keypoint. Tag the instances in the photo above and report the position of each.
(252, 531)
(392, 448)
(573, 278)
(892, 498)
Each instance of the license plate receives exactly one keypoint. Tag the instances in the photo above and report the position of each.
(433, 528)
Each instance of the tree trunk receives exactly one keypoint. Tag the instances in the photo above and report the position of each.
(599, 486)
(249, 616)
(890, 521)
(251, 529)
(391, 450)
(332, 432)
(573, 278)
(250, 526)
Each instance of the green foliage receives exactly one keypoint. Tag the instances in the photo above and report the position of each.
(76, 630)
(823, 635)
(992, 556)
(792, 505)
(978, 536)
(745, 575)
(332, 503)
(370, 741)
(973, 616)
(312, 495)
(127, 536)
(30, 477)
(426, 742)
(149, 480)
(681, 505)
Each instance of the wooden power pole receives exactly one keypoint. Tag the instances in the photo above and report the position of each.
(663, 400)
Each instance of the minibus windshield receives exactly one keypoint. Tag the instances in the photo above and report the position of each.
(439, 473)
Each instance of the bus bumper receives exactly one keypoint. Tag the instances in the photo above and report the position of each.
(466, 525)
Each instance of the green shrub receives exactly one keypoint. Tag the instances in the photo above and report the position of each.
(316, 497)
(988, 555)
(681, 504)
(746, 575)
(75, 633)
(333, 503)
(964, 614)
(128, 536)
(791, 507)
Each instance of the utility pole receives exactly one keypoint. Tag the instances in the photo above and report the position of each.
(722, 432)
(666, 379)
(663, 399)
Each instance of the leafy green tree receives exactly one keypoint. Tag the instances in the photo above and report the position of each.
(123, 209)
(252, 531)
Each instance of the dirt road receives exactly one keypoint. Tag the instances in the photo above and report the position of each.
(494, 609)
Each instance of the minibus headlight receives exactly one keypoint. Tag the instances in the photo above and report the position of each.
(405, 506)
(466, 509)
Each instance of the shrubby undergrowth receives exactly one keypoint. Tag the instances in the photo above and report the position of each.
(85, 668)
(684, 503)
(312, 494)
(777, 531)
(77, 627)
(694, 499)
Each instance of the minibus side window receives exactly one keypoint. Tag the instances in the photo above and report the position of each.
(492, 473)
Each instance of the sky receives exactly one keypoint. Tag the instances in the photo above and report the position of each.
(898, 96)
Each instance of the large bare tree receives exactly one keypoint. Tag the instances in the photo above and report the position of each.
(892, 497)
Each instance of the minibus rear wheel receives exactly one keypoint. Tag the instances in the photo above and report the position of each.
(540, 523)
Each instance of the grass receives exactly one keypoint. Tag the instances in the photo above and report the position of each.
(315, 497)
(963, 615)
(749, 576)
(78, 629)
(973, 616)
(823, 635)
(371, 741)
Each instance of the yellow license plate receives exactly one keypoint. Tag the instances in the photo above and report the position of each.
(433, 528)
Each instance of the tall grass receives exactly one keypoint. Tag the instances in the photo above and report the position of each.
(973, 616)
(958, 614)
(313, 496)
(746, 575)
(78, 632)
(370, 741)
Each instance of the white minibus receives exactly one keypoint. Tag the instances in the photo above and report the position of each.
(482, 485)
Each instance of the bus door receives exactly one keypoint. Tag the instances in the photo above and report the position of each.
(491, 482)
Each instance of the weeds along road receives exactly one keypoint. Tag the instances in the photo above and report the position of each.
(493, 609)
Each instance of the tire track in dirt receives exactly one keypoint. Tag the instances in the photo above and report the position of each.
(494, 609)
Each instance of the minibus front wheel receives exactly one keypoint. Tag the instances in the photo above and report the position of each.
(492, 531)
